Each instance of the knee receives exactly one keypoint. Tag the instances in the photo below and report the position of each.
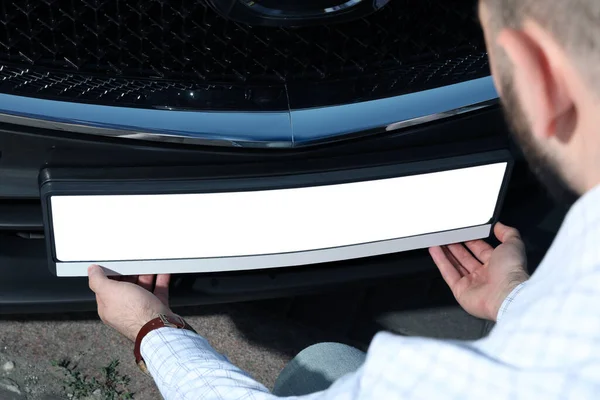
(317, 367)
(328, 349)
(326, 354)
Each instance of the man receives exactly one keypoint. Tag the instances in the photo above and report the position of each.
(545, 56)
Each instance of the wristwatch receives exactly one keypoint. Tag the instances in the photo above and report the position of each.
(162, 321)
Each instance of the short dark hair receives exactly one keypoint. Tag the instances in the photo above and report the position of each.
(575, 24)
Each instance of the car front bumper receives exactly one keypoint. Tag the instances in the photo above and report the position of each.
(28, 285)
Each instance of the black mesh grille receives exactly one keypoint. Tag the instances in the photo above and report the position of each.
(100, 45)
(140, 92)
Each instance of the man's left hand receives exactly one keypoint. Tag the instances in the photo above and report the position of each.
(127, 303)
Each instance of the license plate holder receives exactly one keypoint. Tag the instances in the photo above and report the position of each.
(195, 223)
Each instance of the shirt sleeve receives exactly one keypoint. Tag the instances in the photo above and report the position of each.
(508, 301)
(185, 366)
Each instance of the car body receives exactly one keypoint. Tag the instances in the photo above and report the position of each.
(98, 90)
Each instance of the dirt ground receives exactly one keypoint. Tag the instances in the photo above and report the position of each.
(37, 352)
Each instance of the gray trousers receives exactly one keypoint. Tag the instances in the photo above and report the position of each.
(315, 368)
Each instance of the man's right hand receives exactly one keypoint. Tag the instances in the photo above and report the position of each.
(128, 303)
(480, 284)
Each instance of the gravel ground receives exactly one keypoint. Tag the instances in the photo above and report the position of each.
(253, 339)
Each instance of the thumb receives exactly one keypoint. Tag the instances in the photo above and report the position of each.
(506, 233)
(97, 278)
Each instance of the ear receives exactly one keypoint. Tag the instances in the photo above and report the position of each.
(543, 93)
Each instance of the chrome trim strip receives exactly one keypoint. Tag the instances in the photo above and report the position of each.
(390, 113)
(264, 129)
(434, 117)
(251, 129)
(66, 269)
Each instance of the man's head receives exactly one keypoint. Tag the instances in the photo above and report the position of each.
(545, 57)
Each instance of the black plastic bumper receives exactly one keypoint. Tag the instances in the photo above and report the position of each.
(26, 284)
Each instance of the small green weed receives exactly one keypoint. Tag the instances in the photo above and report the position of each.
(112, 385)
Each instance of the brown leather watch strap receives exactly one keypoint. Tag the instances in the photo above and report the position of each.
(162, 321)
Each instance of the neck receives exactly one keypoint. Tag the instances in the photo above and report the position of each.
(590, 170)
(585, 151)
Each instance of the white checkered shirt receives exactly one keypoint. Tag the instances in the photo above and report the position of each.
(546, 344)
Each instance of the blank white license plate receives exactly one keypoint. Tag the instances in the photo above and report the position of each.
(229, 231)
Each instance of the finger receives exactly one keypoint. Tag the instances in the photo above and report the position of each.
(116, 278)
(481, 249)
(447, 269)
(506, 233)
(129, 278)
(463, 257)
(97, 278)
(162, 288)
(459, 267)
(146, 281)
